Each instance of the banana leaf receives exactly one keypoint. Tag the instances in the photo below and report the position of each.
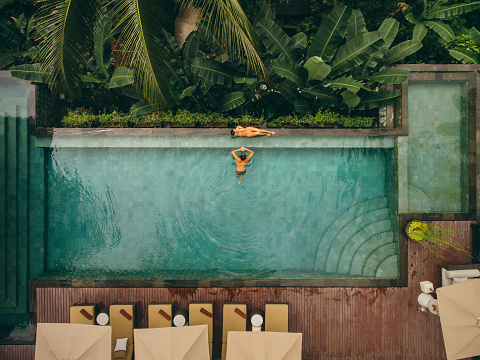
(122, 76)
(447, 12)
(442, 29)
(232, 100)
(375, 99)
(330, 34)
(189, 91)
(419, 31)
(141, 108)
(390, 76)
(350, 99)
(264, 13)
(475, 34)
(214, 71)
(291, 71)
(277, 42)
(289, 90)
(10, 33)
(356, 26)
(401, 51)
(317, 69)
(7, 58)
(245, 80)
(388, 29)
(465, 56)
(301, 106)
(190, 50)
(323, 94)
(355, 52)
(346, 82)
(300, 40)
(31, 72)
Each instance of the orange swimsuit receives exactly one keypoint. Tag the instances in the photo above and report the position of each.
(245, 132)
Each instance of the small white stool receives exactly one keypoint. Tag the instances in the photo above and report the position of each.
(180, 318)
(256, 319)
(103, 318)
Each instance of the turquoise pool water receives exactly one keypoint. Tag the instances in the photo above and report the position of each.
(181, 213)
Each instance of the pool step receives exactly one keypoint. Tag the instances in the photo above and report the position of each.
(343, 221)
(360, 241)
(13, 215)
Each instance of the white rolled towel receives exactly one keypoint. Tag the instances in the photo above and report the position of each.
(458, 280)
(462, 273)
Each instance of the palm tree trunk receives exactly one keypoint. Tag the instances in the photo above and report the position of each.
(186, 22)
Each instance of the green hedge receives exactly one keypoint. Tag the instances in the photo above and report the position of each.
(81, 118)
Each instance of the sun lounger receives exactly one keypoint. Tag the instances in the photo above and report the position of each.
(234, 319)
(202, 314)
(83, 313)
(276, 317)
(159, 315)
(122, 321)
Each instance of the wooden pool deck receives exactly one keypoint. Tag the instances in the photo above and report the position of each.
(336, 323)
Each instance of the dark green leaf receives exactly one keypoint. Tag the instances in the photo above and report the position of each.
(276, 41)
(300, 40)
(330, 34)
(356, 26)
(447, 12)
(375, 99)
(346, 82)
(213, 71)
(355, 52)
(7, 58)
(465, 56)
(419, 32)
(317, 69)
(290, 70)
(188, 91)
(245, 80)
(122, 76)
(21, 22)
(130, 91)
(441, 29)
(232, 100)
(401, 51)
(92, 79)
(388, 29)
(301, 106)
(30, 72)
(141, 108)
(289, 90)
(102, 44)
(390, 76)
(475, 34)
(9, 32)
(265, 13)
(350, 99)
(323, 94)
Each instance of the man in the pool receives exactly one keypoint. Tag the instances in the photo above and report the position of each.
(242, 161)
(249, 131)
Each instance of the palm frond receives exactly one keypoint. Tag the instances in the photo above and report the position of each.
(66, 27)
(142, 50)
(226, 19)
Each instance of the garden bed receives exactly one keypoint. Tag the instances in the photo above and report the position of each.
(183, 118)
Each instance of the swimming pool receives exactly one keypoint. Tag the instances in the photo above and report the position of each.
(181, 213)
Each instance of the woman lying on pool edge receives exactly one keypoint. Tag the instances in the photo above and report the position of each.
(249, 131)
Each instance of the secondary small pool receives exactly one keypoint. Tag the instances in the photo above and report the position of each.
(179, 213)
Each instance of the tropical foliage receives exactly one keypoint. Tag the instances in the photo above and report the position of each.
(19, 38)
(341, 68)
(65, 58)
(468, 53)
(427, 14)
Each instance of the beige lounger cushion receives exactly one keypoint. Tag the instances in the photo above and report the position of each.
(155, 320)
(76, 317)
(276, 317)
(122, 327)
(197, 317)
(233, 321)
